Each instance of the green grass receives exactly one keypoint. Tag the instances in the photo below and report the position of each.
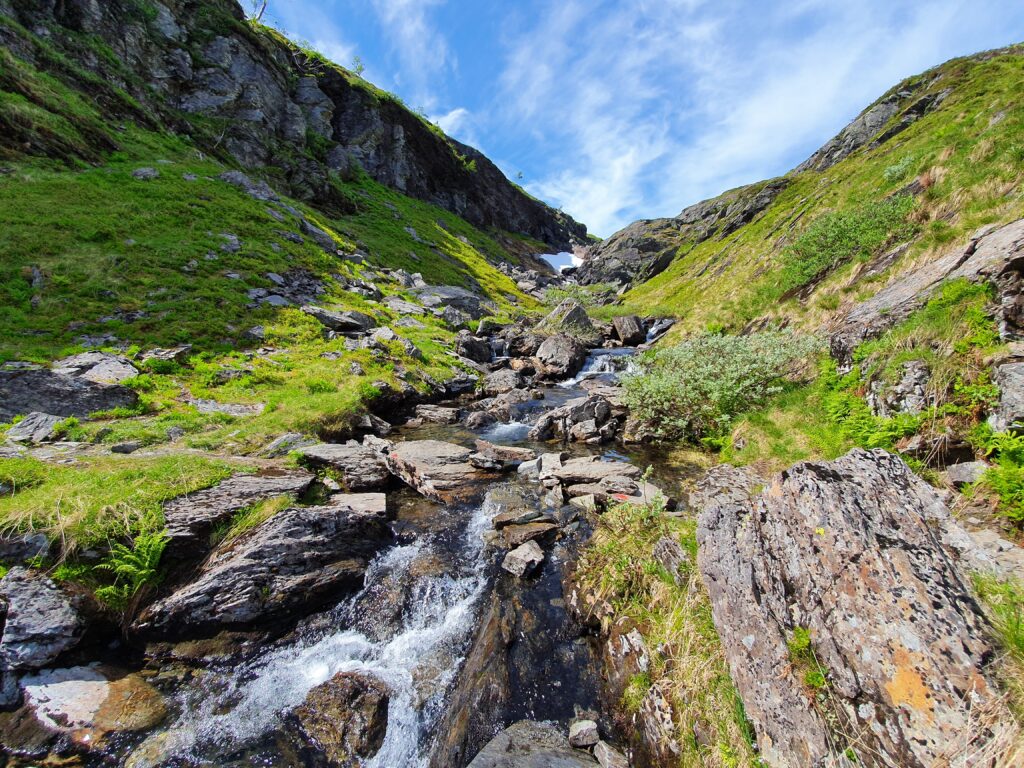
(250, 518)
(966, 162)
(687, 660)
(1003, 602)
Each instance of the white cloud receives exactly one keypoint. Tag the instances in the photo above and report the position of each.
(423, 51)
(651, 105)
(454, 122)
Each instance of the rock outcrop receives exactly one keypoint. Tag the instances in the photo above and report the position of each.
(290, 563)
(440, 471)
(560, 357)
(357, 467)
(859, 558)
(29, 391)
(192, 518)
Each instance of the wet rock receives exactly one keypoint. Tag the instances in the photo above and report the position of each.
(473, 348)
(531, 745)
(342, 322)
(586, 503)
(523, 559)
(288, 565)
(523, 344)
(370, 424)
(98, 367)
(581, 420)
(192, 518)
(850, 551)
(90, 705)
(583, 734)
(28, 391)
(517, 535)
(514, 517)
(357, 467)
(345, 719)
(499, 457)
(480, 420)
(571, 319)
(962, 475)
(40, 621)
(629, 330)
(609, 757)
(502, 382)
(560, 357)
(34, 428)
(438, 470)
(1009, 414)
(436, 414)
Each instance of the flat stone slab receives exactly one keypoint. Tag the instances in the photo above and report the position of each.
(588, 470)
(438, 470)
(28, 391)
(358, 467)
(192, 518)
(529, 744)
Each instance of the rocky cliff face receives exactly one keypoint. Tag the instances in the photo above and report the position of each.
(245, 91)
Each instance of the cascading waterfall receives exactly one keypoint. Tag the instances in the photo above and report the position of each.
(417, 661)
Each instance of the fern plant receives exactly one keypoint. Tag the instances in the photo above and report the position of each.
(133, 567)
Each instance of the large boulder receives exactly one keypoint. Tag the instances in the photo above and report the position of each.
(29, 391)
(439, 297)
(288, 565)
(473, 347)
(858, 556)
(528, 744)
(342, 322)
(571, 319)
(590, 469)
(560, 357)
(584, 419)
(345, 719)
(38, 623)
(357, 467)
(501, 382)
(438, 470)
(97, 367)
(629, 330)
(193, 517)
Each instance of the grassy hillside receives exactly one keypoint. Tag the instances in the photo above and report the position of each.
(804, 257)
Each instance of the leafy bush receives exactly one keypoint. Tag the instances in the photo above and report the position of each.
(694, 390)
(898, 171)
(842, 236)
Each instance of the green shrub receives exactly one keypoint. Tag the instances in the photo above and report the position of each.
(133, 568)
(898, 171)
(1004, 604)
(20, 474)
(694, 390)
(841, 236)
(587, 295)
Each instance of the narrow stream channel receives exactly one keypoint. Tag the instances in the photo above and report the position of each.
(411, 626)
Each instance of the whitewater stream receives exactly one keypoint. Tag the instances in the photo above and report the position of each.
(411, 627)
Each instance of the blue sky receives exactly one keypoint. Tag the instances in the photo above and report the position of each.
(617, 110)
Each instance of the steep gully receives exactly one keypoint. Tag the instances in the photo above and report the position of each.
(425, 604)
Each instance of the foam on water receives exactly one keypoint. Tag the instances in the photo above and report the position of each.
(417, 662)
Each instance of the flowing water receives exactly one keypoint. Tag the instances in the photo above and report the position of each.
(410, 627)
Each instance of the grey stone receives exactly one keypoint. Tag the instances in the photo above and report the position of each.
(436, 414)
(127, 448)
(145, 174)
(444, 296)
(193, 517)
(41, 622)
(609, 757)
(27, 391)
(583, 734)
(288, 565)
(528, 744)
(99, 367)
(864, 555)
(358, 467)
(501, 382)
(629, 330)
(523, 559)
(34, 428)
(438, 470)
(403, 307)
(473, 348)
(560, 357)
(1009, 413)
(285, 444)
(961, 475)
(343, 322)
(344, 719)
(581, 420)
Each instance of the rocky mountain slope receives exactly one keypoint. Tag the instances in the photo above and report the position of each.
(815, 241)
